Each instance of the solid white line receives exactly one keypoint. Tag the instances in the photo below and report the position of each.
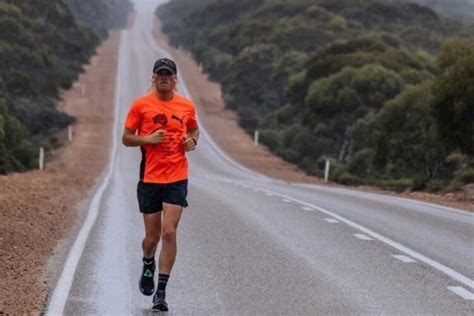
(465, 294)
(435, 264)
(403, 258)
(305, 208)
(363, 237)
(331, 220)
(61, 292)
(387, 198)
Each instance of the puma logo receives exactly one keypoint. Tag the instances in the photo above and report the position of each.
(174, 117)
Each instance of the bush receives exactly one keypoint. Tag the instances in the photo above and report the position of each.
(435, 185)
(289, 155)
(346, 178)
(419, 182)
(270, 138)
(465, 176)
(398, 185)
(454, 186)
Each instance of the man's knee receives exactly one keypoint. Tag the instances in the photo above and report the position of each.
(169, 234)
(151, 241)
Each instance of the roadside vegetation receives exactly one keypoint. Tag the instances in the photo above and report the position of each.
(43, 47)
(383, 89)
(456, 9)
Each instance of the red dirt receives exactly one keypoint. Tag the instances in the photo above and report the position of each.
(39, 208)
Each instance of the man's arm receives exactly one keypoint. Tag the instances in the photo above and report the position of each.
(190, 142)
(129, 138)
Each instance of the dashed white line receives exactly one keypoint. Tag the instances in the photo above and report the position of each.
(416, 255)
(435, 264)
(403, 258)
(268, 194)
(331, 220)
(287, 201)
(305, 208)
(363, 237)
(460, 291)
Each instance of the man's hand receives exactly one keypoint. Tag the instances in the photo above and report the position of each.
(189, 143)
(156, 137)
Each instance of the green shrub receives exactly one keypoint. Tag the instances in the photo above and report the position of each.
(419, 182)
(455, 185)
(398, 185)
(435, 185)
(465, 176)
(270, 138)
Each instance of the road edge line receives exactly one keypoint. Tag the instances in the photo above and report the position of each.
(63, 286)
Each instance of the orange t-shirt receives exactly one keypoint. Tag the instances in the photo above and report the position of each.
(164, 162)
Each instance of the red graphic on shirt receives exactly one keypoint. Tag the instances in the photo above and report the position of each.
(160, 119)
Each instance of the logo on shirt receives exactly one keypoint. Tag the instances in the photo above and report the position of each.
(175, 117)
(160, 119)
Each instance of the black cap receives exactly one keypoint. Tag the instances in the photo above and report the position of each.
(165, 64)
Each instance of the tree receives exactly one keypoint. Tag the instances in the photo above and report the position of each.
(453, 91)
(407, 138)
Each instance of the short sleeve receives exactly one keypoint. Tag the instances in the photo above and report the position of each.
(134, 117)
(191, 123)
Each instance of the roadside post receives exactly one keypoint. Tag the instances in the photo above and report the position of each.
(255, 138)
(69, 133)
(41, 158)
(326, 171)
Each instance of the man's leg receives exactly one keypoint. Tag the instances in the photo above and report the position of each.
(149, 245)
(152, 234)
(171, 216)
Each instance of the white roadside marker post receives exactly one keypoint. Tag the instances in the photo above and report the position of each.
(326, 171)
(255, 138)
(41, 158)
(69, 133)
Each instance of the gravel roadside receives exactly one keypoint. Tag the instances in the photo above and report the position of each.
(40, 208)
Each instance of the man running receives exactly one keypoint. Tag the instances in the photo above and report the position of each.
(164, 125)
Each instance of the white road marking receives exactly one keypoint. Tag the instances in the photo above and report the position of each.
(412, 253)
(256, 190)
(459, 290)
(61, 292)
(268, 194)
(331, 220)
(305, 208)
(403, 258)
(287, 201)
(363, 237)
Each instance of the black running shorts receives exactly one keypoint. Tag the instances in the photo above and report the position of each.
(151, 196)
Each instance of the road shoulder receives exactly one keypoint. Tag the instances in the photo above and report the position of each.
(40, 210)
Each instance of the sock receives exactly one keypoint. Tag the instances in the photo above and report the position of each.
(149, 261)
(162, 281)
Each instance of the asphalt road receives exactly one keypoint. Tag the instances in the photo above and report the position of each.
(253, 245)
